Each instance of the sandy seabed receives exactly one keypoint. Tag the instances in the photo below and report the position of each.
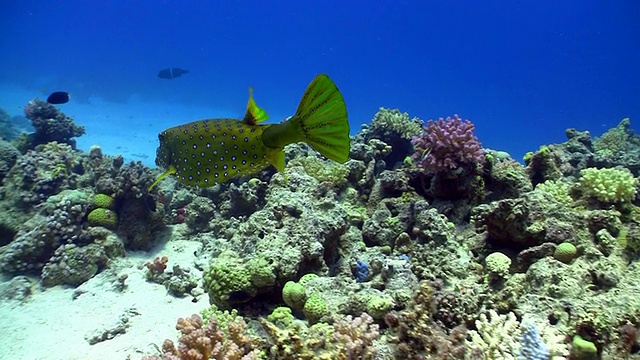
(52, 325)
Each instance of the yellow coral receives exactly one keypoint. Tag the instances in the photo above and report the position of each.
(608, 185)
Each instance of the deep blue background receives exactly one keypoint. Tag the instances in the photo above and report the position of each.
(523, 71)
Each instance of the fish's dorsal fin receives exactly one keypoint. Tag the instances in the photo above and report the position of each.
(254, 114)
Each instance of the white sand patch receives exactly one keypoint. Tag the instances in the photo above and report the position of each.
(51, 325)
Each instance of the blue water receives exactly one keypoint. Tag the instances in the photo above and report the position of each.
(522, 71)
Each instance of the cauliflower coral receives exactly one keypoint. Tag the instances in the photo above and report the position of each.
(447, 144)
(608, 185)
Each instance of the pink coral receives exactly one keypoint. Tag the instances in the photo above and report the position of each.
(357, 336)
(447, 144)
(199, 342)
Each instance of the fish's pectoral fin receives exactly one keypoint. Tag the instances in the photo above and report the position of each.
(276, 158)
(254, 114)
(170, 170)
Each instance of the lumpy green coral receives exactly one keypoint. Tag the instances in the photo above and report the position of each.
(294, 295)
(227, 282)
(565, 252)
(608, 185)
(498, 264)
(315, 308)
(103, 201)
(281, 316)
(306, 278)
(103, 217)
(378, 306)
(261, 272)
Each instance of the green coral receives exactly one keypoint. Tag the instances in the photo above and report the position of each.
(379, 306)
(306, 278)
(393, 122)
(231, 280)
(294, 295)
(262, 272)
(103, 217)
(281, 316)
(614, 142)
(228, 281)
(558, 189)
(315, 308)
(58, 170)
(498, 264)
(103, 201)
(324, 171)
(583, 349)
(565, 252)
(223, 317)
(608, 185)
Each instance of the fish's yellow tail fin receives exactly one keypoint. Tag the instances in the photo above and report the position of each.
(321, 119)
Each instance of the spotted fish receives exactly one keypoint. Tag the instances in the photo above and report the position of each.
(203, 153)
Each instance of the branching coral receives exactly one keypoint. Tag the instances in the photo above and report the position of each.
(356, 335)
(199, 342)
(349, 338)
(608, 185)
(496, 337)
(504, 337)
(446, 144)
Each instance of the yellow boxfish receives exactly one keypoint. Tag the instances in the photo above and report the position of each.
(203, 153)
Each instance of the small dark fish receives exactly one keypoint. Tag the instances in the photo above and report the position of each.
(171, 73)
(58, 97)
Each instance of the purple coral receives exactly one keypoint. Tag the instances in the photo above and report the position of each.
(447, 144)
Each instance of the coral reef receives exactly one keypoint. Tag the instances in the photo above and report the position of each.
(423, 245)
(56, 203)
(8, 157)
(50, 125)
